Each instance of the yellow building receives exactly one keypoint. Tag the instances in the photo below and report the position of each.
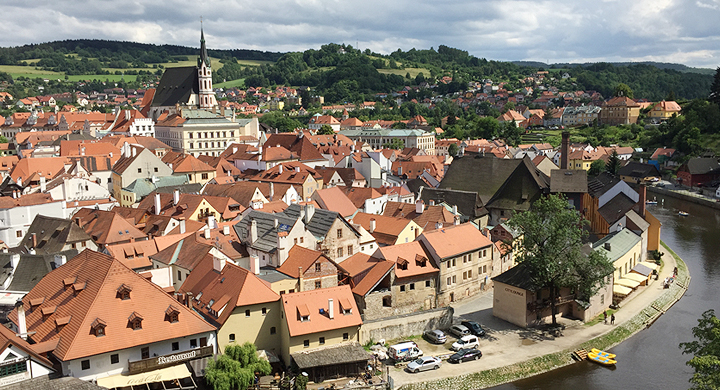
(664, 110)
(583, 159)
(623, 248)
(620, 110)
(237, 302)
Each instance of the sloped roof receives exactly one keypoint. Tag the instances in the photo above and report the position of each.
(313, 301)
(185, 253)
(568, 181)
(616, 208)
(387, 229)
(696, 166)
(484, 175)
(8, 338)
(233, 286)
(518, 276)
(321, 220)
(100, 277)
(106, 227)
(620, 243)
(455, 240)
(602, 184)
(639, 170)
(52, 234)
(299, 257)
(468, 203)
(415, 257)
(334, 199)
(176, 86)
(366, 272)
(267, 233)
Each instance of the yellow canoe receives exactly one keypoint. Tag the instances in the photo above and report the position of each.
(601, 360)
(603, 353)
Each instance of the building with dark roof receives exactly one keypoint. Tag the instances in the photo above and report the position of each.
(637, 172)
(699, 171)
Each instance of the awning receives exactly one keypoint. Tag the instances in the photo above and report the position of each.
(627, 282)
(650, 265)
(164, 374)
(636, 277)
(621, 290)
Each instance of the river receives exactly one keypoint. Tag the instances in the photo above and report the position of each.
(651, 359)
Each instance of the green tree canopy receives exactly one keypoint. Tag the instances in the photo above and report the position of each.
(597, 167)
(715, 88)
(236, 368)
(550, 249)
(706, 351)
(453, 150)
(396, 143)
(623, 90)
(325, 130)
(613, 164)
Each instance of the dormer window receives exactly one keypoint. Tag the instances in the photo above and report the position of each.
(402, 263)
(36, 302)
(67, 282)
(77, 287)
(303, 313)
(345, 306)
(172, 314)
(123, 292)
(48, 311)
(135, 321)
(97, 327)
(61, 322)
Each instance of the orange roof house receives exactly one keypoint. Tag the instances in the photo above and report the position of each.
(93, 307)
(334, 199)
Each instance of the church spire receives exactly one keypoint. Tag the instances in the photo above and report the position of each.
(203, 50)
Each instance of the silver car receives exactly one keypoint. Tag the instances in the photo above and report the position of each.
(460, 330)
(436, 336)
(424, 363)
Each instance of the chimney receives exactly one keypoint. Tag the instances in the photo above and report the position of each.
(182, 225)
(211, 222)
(188, 301)
(60, 260)
(564, 150)
(432, 202)
(607, 246)
(457, 220)
(22, 325)
(157, 204)
(275, 223)
(19, 181)
(253, 231)
(134, 151)
(373, 225)
(301, 280)
(280, 168)
(454, 209)
(297, 169)
(34, 240)
(43, 187)
(642, 191)
(309, 211)
(272, 190)
(331, 308)
(206, 233)
(176, 197)
(235, 149)
(226, 230)
(438, 225)
(255, 264)
(82, 150)
(218, 263)
(14, 260)
(127, 115)
(419, 206)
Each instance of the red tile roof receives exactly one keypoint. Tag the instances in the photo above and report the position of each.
(414, 257)
(454, 240)
(309, 303)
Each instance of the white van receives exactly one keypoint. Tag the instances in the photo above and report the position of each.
(405, 351)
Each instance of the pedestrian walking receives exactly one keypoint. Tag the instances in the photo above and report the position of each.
(605, 317)
(612, 319)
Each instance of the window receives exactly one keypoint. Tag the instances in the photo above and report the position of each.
(345, 336)
(264, 310)
(427, 283)
(321, 340)
(193, 343)
(295, 241)
(85, 364)
(306, 343)
(139, 170)
(454, 279)
(145, 353)
(318, 284)
(449, 281)
(176, 346)
(232, 337)
(412, 286)
(484, 252)
(247, 313)
(318, 267)
(340, 252)
(179, 275)
(464, 275)
(273, 330)
(469, 274)
(339, 233)
(155, 169)
(114, 359)
(203, 341)
(302, 239)
(484, 269)
(448, 265)
(453, 260)
(402, 288)
(350, 250)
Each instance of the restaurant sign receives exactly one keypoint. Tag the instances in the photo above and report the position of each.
(157, 362)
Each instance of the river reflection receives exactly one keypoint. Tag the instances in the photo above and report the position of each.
(651, 359)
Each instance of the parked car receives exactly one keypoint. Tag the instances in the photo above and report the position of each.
(475, 328)
(424, 363)
(459, 330)
(436, 336)
(464, 355)
(465, 342)
(404, 351)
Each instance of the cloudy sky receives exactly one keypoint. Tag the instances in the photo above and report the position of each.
(677, 31)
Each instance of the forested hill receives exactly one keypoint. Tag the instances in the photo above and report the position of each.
(129, 51)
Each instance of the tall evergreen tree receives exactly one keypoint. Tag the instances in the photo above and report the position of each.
(715, 88)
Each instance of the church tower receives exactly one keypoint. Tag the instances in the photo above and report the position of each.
(206, 96)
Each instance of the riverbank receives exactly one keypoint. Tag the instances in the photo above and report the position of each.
(522, 360)
(684, 194)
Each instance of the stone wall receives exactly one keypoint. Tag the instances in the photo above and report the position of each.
(405, 325)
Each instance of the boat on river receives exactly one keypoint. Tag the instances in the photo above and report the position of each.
(649, 202)
(605, 361)
(683, 213)
(603, 353)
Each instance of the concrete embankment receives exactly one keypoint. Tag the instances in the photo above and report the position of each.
(684, 195)
(637, 314)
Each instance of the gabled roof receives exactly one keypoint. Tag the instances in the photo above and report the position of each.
(430, 216)
(568, 181)
(7, 202)
(321, 220)
(454, 240)
(106, 227)
(267, 232)
(310, 302)
(52, 234)
(8, 339)
(616, 208)
(232, 286)
(176, 86)
(302, 258)
(696, 166)
(366, 272)
(518, 276)
(185, 163)
(468, 203)
(667, 152)
(35, 167)
(484, 175)
(358, 195)
(186, 253)
(99, 276)
(620, 243)
(300, 145)
(639, 170)
(31, 268)
(602, 184)
(409, 258)
(334, 199)
(387, 229)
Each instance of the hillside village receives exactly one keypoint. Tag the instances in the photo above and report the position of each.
(156, 235)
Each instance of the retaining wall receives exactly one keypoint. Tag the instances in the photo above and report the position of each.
(397, 327)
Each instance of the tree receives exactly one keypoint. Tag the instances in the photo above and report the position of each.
(706, 349)
(453, 150)
(597, 167)
(396, 143)
(613, 164)
(623, 90)
(715, 88)
(236, 368)
(550, 250)
(325, 130)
